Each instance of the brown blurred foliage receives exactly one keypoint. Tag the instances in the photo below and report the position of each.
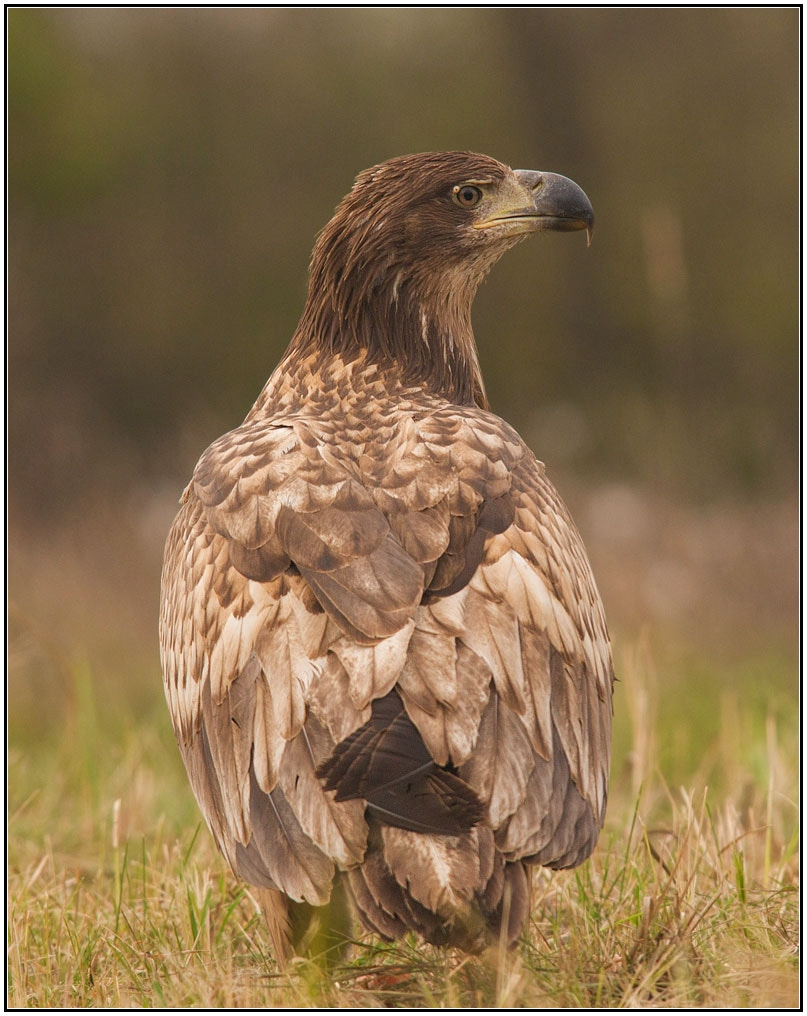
(168, 170)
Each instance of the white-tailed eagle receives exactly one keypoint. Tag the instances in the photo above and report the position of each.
(384, 652)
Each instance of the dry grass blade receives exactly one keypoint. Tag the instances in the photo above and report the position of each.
(690, 901)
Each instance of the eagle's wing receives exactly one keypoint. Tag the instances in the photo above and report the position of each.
(509, 673)
(312, 586)
(269, 532)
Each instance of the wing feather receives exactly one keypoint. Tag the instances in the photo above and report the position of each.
(373, 670)
(286, 669)
(279, 854)
(445, 687)
(338, 829)
(502, 762)
(331, 700)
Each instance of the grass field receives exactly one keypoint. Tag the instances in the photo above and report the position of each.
(117, 896)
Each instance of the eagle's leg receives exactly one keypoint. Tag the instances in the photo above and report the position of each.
(275, 907)
(322, 934)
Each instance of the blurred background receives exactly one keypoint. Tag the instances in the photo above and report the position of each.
(168, 171)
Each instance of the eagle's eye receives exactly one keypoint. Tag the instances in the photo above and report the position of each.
(466, 195)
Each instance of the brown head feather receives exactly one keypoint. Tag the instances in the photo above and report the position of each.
(395, 271)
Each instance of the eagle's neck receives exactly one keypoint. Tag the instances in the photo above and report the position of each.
(420, 328)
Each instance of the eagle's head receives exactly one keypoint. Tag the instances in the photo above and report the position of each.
(421, 216)
(395, 270)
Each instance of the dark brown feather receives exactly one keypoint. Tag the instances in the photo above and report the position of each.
(386, 764)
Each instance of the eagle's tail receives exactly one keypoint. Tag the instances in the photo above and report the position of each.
(452, 890)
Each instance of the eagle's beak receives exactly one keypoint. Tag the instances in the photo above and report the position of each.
(544, 201)
(558, 203)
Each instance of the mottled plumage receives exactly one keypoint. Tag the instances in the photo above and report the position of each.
(384, 652)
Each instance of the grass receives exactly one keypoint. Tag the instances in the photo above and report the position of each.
(118, 898)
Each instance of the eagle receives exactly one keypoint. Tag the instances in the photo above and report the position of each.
(385, 657)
